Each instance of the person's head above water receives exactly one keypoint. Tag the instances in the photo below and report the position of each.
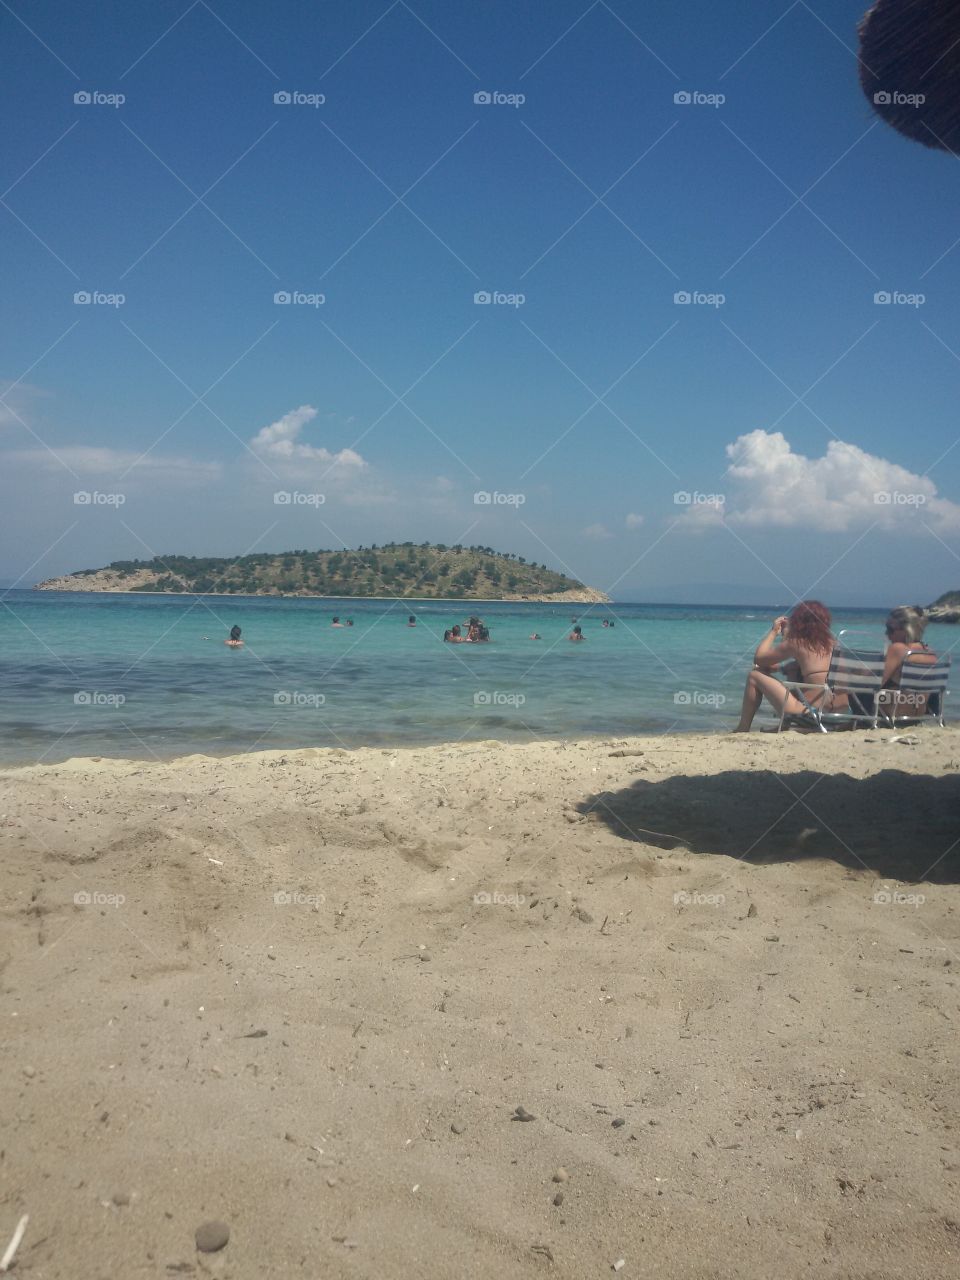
(234, 633)
(411, 621)
(336, 617)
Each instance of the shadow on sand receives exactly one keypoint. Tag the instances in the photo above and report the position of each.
(899, 825)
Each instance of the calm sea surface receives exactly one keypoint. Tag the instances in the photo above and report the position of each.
(149, 676)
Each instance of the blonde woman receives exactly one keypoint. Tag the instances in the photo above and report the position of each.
(904, 628)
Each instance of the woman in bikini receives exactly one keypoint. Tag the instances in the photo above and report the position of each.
(803, 642)
(904, 628)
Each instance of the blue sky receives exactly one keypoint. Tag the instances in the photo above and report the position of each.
(797, 398)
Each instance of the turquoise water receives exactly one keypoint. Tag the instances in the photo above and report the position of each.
(149, 676)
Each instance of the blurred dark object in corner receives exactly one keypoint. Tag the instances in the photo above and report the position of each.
(910, 68)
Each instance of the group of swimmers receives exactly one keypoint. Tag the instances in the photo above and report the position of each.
(477, 632)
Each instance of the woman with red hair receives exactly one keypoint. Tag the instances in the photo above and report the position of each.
(805, 641)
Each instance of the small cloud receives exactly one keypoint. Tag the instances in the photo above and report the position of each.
(95, 461)
(634, 521)
(597, 532)
(281, 441)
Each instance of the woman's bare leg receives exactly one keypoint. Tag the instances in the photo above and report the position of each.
(759, 686)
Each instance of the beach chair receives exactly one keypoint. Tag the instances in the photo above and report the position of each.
(857, 673)
(921, 693)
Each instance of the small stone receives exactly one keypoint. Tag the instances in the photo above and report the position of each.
(331, 1182)
(558, 1199)
(751, 910)
(212, 1236)
(457, 1127)
(618, 1123)
(585, 916)
(425, 955)
(121, 1198)
(772, 937)
(521, 1113)
(561, 1175)
(29, 1072)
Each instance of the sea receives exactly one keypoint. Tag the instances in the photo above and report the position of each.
(149, 677)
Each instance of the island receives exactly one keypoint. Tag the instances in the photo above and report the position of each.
(945, 608)
(405, 570)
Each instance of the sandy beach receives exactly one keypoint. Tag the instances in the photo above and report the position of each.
(304, 994)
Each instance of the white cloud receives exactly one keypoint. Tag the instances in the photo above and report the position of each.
(769, 486)
(113, 463)
(597, 531)
(281, 440)
(633, 521)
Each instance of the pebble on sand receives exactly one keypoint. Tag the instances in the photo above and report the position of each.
(561, 1175)
(425, 955)
(521, 1113)
(558, 1199)
(212, 1236)
(121, 1198)
(618, 1123)
(457, 1127)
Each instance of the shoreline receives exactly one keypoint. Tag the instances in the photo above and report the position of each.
(237, 595)
(633, 743)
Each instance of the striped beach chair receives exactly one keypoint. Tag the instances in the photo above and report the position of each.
(921, 694)
(855, 672)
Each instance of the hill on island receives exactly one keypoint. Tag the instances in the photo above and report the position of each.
(407, 569)
(945, 608)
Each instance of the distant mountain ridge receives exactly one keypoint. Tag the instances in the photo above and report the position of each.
(406, 570)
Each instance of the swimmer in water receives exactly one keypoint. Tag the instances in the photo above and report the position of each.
(336, 622)
(576, 634)
(535, 636)
(234, 642)
(411, 621)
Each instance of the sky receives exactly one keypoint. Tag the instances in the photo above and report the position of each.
(645, 293)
